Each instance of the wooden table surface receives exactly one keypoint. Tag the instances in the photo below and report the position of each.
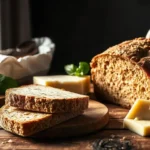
(113, 129)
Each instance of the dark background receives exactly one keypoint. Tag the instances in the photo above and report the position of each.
(83, 28)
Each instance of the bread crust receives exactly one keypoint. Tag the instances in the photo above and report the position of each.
(10, 120)
(46, 104)
(125, 72)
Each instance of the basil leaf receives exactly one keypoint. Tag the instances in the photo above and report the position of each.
(84, 68)
(6, 82)
(81, 70)
(78, 72)
(70, 69)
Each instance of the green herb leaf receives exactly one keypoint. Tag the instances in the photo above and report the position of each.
(6, 82)
(81, 70)
(84, 67)
(70, 69)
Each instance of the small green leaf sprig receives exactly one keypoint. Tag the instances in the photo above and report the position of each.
(80, 70)
(6, 83)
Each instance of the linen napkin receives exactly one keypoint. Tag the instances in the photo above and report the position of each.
(29, 65)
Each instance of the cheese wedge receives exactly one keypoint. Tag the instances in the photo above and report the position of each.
(75, 84)
(138, 118)
(140, 110)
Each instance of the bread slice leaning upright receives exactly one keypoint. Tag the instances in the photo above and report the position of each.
(121, 74)
(26, 123)
(45, 99)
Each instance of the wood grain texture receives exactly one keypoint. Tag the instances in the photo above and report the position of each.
(76, 143)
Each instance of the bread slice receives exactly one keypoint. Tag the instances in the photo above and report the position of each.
(45, 99)
(121, 74)
(25, 123)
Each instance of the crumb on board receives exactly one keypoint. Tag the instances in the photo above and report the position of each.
(9, 141)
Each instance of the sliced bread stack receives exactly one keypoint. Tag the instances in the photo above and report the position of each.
(33, 108)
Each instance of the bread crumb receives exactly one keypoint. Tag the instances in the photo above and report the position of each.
(10, 141)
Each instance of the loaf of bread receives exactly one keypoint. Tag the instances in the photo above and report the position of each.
(26, 123)
(121, 74)
(45, 99)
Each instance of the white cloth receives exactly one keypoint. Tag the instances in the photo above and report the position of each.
(29, 65)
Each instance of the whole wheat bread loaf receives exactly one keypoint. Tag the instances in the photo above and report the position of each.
(26, 123)
(45, 99)
(121, 74)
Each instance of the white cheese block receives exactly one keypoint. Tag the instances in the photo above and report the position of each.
(75, 84)
(138, 118)
(141, 127)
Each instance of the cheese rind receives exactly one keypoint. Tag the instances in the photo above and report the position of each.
(138, 118)
(75, 84)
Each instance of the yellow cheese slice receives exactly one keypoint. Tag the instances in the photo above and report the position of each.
(138, 118)
(75, 84)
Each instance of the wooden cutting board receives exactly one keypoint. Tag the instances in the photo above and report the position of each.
(93, 119)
